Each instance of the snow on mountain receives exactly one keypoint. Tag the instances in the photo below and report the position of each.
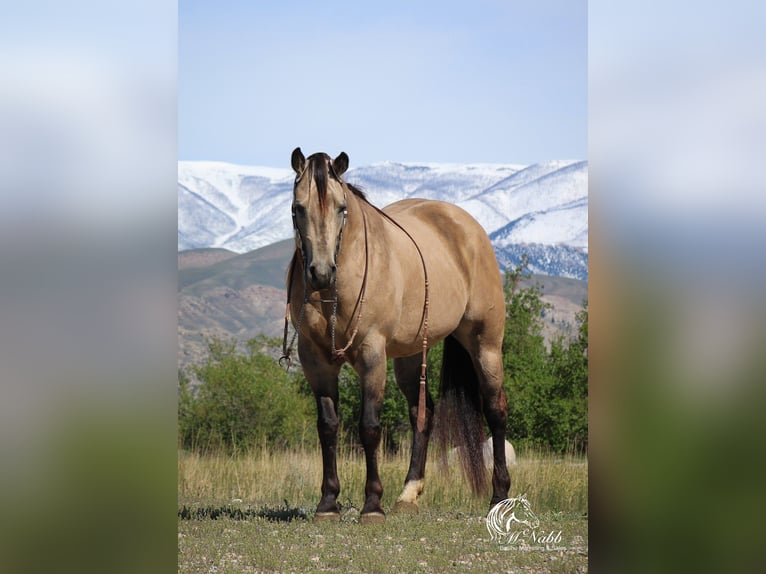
(387, 182)
(247, 207)
(567, 224)
(537, 188)
(560, 260)
(542, 207)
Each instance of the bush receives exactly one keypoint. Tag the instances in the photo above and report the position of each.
(242, 401)
(394, 419)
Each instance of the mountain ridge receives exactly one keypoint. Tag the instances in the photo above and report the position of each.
(542, 206)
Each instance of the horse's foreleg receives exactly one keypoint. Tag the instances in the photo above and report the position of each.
(373, 379)
(327, 426)
(407, 371)
(323, 380)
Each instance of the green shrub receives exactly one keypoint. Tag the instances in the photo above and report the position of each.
(394, 419)
(242, 401)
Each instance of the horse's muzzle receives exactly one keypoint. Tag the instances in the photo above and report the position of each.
(321, 276)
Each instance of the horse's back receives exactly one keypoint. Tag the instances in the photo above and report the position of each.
(437, 224)
(448, 222)
(422, 208)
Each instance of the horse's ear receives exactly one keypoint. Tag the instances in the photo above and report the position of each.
(340, 164)
(298, 161)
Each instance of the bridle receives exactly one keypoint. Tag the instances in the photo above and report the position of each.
(337, 354)
(340, 354)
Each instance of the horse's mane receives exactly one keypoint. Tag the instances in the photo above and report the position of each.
(357, 191)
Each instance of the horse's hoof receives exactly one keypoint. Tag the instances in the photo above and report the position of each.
(327, 517)
(405, 507)
(372, 518)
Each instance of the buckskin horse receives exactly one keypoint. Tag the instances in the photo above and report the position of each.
(365, 284)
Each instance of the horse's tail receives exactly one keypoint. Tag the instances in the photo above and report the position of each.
(458, 416)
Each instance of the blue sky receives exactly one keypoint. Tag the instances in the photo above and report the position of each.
(485, 81)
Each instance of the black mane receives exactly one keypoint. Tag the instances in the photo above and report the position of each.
(357, 191)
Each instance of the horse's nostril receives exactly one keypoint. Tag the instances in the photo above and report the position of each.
(321, 275)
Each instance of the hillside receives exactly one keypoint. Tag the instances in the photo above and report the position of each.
(222, 294)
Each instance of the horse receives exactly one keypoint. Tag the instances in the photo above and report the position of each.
(503, 515)
(365, 284)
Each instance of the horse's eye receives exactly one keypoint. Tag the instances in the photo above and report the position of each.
(299, 210)
(342, 210)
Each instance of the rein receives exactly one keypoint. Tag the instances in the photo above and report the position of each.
(421, 422)
(340, 354)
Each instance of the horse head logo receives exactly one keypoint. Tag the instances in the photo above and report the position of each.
(507, 514)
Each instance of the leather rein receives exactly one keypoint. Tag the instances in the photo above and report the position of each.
(340, 354)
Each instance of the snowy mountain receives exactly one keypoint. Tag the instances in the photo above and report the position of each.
(541, 209)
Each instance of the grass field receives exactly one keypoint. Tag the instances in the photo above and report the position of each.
(263, 502)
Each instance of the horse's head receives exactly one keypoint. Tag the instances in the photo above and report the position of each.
(319, 213)
(524, 514)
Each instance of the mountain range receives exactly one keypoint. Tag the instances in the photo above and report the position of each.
(540, 210)
(235, 230)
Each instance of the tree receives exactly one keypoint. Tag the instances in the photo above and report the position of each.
(568, 362)
(524, 355)
(547, 390)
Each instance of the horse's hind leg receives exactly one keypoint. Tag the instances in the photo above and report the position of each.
(407, 372)
(485, 348)
(488, 362)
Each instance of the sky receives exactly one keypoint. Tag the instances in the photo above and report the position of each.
(497, 81)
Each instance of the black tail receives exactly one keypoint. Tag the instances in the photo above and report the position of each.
(458, 416)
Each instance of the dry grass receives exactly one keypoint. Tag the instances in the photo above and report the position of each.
(264, 477)
(448, 534)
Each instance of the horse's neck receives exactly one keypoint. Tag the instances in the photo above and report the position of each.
(359, 211)
(356, 234)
